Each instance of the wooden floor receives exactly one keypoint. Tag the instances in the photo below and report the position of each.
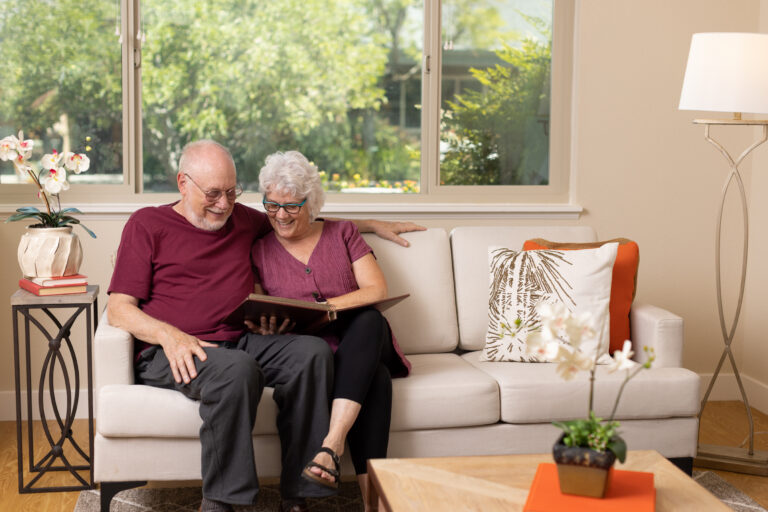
(723, 423)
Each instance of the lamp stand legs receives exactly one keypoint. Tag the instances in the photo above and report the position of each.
(737, 459)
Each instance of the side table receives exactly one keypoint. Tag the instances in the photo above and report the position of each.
(33, 309)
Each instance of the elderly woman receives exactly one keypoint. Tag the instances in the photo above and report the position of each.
(309, 258)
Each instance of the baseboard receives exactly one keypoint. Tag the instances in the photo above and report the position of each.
(8, 405)
(726, 388)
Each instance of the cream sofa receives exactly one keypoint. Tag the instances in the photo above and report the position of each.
(451, 404)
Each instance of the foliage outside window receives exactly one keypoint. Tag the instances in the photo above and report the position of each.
(339, 80)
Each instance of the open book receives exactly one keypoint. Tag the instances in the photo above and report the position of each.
(308, 316)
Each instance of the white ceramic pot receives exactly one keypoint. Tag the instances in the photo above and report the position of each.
(50, 252)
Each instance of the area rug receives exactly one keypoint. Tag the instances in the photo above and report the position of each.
(187, 499)
(727, 493)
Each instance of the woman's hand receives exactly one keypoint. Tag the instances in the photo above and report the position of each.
(269, 325)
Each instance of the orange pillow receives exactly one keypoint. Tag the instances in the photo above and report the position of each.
(623, 285)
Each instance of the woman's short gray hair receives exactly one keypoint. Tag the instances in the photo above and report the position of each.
(292, 173)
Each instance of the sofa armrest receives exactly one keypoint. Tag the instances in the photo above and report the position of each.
(660, 330)
(113, 355)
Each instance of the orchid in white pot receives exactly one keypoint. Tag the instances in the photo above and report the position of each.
(50, 181)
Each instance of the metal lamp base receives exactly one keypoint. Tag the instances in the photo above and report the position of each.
(731, 458)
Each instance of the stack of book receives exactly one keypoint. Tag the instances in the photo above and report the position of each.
(63, 285)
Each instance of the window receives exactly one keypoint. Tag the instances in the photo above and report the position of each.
(60, 69)
(408, 97)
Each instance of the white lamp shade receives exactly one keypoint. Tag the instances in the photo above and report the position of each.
(727, 72)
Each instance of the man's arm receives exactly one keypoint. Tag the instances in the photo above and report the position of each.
(180, 348)
(388, 230)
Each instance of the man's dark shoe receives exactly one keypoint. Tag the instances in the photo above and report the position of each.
(294, 505)
(215, 506)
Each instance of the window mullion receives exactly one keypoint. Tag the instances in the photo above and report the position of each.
(430, 98)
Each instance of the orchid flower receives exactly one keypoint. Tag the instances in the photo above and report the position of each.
(571, 362)
(622, 359)
(76, 162)
(51, 161)
(56, 181)
(8, 147)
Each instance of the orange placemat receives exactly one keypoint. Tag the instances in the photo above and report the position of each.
(629, 491)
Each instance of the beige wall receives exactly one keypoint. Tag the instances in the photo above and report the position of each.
(641, 170)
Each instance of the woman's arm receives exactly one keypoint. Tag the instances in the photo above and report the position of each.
(369, 278)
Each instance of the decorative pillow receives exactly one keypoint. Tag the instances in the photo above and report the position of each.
(521, 279)
(624, 283)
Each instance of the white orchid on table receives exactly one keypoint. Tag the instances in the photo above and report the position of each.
(571, 341)
(50, 181)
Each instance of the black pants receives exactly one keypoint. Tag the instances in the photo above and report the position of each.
(361, 374)
(229, 385)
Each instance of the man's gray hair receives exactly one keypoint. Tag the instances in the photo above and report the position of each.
(293, 174)
(187, 161)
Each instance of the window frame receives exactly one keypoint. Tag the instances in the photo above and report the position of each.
(554, 199)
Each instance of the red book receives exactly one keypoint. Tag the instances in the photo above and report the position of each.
(35, 288)
(60, 280)
(629, 491)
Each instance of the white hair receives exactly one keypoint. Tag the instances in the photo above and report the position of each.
(293, 174)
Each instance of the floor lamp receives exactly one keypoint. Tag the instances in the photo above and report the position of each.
(728, 72)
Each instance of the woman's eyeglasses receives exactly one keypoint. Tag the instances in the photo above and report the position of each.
(292, 208)
(214, 195)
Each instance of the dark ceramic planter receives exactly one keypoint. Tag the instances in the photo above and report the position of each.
(582, 471)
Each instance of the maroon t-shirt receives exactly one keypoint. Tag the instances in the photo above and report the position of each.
(185, 276)
(328, 272)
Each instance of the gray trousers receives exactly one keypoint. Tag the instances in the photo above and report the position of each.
(229, 385)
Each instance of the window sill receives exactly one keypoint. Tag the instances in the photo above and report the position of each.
(106, 211)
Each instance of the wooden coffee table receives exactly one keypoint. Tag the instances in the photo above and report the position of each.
(501, 483)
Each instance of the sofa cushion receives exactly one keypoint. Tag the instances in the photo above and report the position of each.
(439, 385)
(623, 286)
(520, 280)
(425, 322)
(443, 391)
(469, 246)
(535, 393)
(132, 410)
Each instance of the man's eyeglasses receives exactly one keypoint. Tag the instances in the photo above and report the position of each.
(214, 195)
(292, 208)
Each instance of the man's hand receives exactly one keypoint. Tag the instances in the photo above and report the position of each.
(269, 325)
(180, 349)
(389, 230)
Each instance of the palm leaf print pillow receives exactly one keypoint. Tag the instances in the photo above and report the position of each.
(521, 279)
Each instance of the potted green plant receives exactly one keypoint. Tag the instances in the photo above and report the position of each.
(48, 248)
(588, 447)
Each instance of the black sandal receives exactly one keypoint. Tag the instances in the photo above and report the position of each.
(318, 479)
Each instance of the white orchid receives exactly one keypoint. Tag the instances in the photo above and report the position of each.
(56, 181)
(19, 150)
(622, 359)
(570, 362)
(571, 341)
(76, 162)
(50, 161)
(8, 147)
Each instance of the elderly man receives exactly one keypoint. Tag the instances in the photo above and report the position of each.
(180, 269)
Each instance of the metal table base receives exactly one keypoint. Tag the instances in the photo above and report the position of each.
(33, 311)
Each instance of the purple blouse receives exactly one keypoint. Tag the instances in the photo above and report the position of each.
(328, 273)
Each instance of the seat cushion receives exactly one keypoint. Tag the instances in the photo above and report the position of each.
(535, 393)
(438, 387)
(145, 411)
(443, 391)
